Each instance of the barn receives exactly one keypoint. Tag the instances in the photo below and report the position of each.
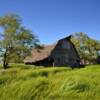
(63, 53)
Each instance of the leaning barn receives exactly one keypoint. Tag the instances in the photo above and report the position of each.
(62, 54)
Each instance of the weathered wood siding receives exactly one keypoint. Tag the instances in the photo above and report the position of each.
(64, 53)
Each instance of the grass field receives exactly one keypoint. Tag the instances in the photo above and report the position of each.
(21, 82)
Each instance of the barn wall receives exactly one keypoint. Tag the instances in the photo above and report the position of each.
(64, 53)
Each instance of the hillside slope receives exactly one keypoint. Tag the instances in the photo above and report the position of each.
(29, 83)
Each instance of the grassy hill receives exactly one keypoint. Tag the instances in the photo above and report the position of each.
(21, 82)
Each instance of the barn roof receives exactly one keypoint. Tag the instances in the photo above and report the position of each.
(40, 54)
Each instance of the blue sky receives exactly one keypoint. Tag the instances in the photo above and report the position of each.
(55, 19)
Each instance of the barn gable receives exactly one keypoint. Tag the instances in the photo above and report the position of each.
(65, 53)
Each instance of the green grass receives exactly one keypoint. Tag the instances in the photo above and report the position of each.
(23, 82)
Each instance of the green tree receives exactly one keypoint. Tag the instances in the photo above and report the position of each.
(87, 47)
(16, 41)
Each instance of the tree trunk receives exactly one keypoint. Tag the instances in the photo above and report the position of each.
(5, 63)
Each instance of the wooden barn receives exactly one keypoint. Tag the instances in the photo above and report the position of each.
(63, 53)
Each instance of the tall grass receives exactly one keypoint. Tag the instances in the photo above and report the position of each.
(30, 83)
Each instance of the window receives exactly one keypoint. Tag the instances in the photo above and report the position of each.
(65, 45)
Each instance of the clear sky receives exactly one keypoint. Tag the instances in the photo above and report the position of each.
(55, 19)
